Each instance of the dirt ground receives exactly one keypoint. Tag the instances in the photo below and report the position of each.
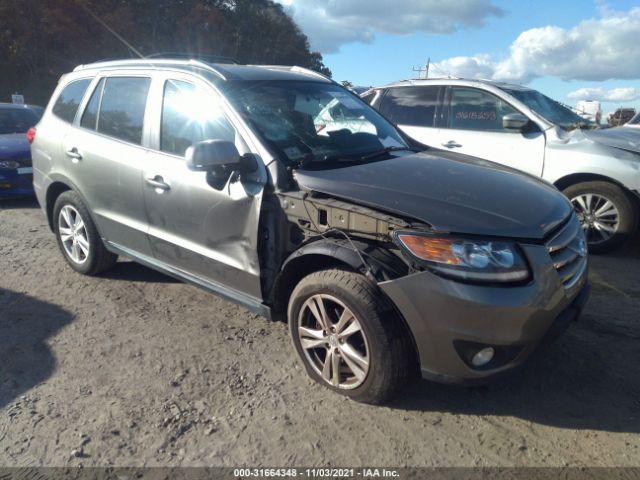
(136, 369)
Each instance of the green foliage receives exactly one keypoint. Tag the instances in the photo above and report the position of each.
(42, 39)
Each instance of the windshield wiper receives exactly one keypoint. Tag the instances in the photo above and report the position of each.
(338, 158)
(312, 159)
(384, 151)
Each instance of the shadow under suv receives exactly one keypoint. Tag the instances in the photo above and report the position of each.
(383, 260)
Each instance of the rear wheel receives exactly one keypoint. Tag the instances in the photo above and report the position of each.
(347, 336)
(606, 212)
(78, 237)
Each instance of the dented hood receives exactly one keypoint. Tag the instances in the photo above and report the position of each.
(452, 193)
(624, 138)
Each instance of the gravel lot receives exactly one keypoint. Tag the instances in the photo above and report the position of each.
(136, 369)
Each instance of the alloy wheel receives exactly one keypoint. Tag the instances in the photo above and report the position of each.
(598, 215)
(333, 341)
(73, 234)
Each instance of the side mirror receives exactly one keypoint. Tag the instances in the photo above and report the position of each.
(207, 155)
(514, 121)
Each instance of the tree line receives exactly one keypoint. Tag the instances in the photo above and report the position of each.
(42, 39)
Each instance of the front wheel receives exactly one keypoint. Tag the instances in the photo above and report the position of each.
(348, 337)
(606, 213)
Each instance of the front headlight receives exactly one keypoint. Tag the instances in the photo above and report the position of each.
(9, 164)
(466, 259)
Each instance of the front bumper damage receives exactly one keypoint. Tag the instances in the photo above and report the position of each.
(448, 318)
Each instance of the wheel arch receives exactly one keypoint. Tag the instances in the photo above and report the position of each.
(575, 178)
(330, 253)
(338, 253)
(56, 189)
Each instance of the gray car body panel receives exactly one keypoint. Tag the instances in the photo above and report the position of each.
(439, 311)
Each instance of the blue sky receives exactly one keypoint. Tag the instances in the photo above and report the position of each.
(559, 47)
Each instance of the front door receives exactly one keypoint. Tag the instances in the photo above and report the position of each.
(197, 225)
(473, 126)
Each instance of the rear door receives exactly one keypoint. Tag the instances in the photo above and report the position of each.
(105, 153)
(415, 110)
(197, 225)
(472, 124)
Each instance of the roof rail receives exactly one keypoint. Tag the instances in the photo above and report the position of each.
(186, 56)
(151, 63)
(297, 69)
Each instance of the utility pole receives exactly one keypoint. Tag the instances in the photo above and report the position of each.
(424, 69)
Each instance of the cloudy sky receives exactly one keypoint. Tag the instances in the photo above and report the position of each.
(568, 49)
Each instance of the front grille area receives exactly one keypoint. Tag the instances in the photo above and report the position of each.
(24, 162)
(568, 251)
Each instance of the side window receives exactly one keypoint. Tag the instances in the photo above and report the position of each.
(90, 115)
(122, 108)
(190, 115)
(415, 106)
(369, 97)
(67, 103)
(473, 109)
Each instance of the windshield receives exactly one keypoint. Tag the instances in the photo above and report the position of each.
(17, 120)
(635, 120)
(308, 122)
(550, 109)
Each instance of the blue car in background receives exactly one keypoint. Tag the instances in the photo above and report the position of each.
(16, 172)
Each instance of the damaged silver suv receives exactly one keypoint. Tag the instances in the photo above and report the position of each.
(384, 261)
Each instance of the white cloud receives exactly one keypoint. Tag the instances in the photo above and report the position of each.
(596, 49)
(479, 66)
(332, 23)
(627, 94)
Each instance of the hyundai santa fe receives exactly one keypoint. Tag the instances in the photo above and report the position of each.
(598, 170)
(385, 261)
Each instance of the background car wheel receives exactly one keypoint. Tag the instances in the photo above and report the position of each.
(348, 337)
(78, 237)
(606, 212)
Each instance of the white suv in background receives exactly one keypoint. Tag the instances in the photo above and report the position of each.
(522, 128)
(634, 122)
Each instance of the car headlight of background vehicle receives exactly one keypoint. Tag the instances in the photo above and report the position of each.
(9, 164)
(466, 259)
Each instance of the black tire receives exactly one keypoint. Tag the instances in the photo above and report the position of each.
(391, 355)
(627, 214)
(98, 259)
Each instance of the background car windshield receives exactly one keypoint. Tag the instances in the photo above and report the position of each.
(310, 120)
(550, 109)
(635, 120)
(17, 120)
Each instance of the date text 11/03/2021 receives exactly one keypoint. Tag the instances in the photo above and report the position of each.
(315, 472)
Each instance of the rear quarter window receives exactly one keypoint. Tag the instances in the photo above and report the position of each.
(414, 106)
(369, 97)
(69, 100)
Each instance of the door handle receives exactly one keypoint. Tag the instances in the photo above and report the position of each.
(74, 154)
(451, 144)
(158, 183)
